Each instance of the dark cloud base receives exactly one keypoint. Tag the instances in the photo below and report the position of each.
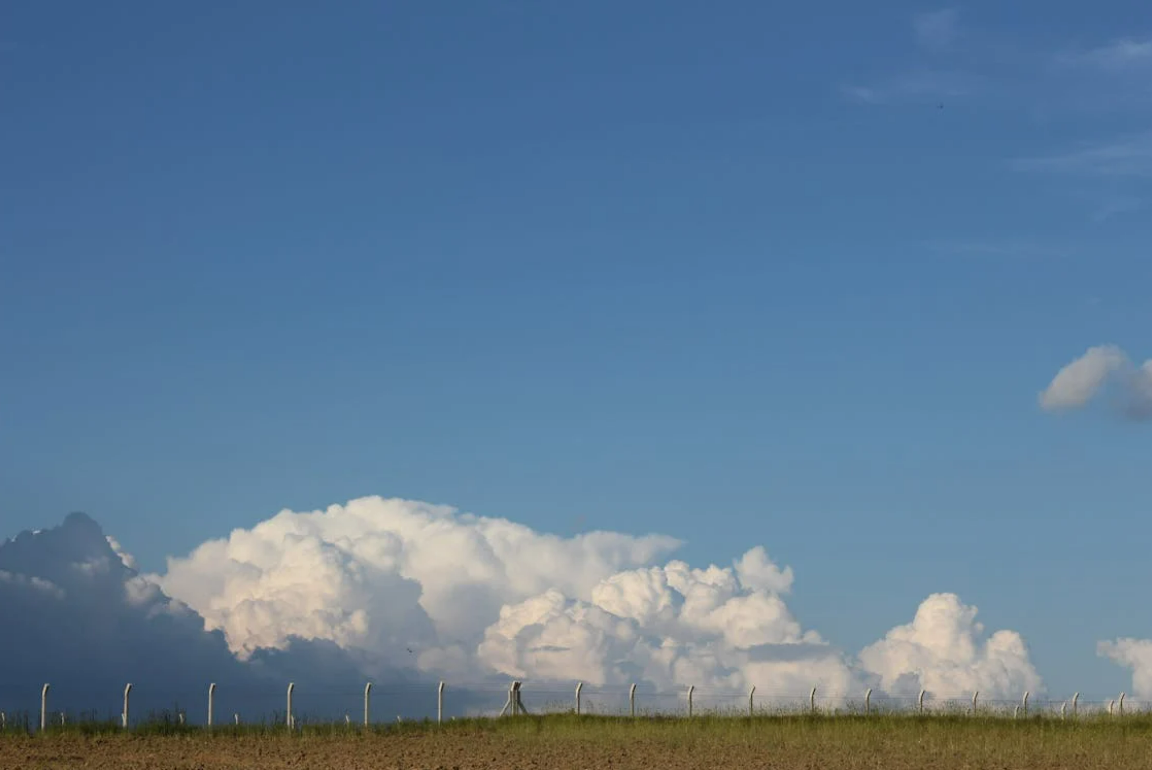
(72, 614)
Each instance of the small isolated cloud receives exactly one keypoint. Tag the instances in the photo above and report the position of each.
(936, 30)
(1123, 157)
(1082, 380)
(942, 651)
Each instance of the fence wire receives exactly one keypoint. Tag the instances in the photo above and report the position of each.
(23, 710)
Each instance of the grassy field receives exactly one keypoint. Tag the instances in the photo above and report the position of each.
(798, 742)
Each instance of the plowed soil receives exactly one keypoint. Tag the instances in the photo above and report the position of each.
(829, 748)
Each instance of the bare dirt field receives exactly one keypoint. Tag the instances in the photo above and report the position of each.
(828, 744)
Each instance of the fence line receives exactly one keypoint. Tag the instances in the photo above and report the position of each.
(655, 703)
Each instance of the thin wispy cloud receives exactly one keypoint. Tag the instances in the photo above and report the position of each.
(1116, 206)
(1123, 55)
(922, 85)
(1108, 74)
(1007, 249)
(936, 30)
(1129, 156)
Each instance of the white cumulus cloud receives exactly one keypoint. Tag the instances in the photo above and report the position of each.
(1082, 380)
(387, 575)
(126, 558)
(942, 651)
(669, 626)
(1135, 654)
(469, 598)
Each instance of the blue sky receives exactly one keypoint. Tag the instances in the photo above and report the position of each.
(737, 274)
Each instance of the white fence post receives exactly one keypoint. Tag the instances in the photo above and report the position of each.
(632, 700)
(1121, 704)
(974, 696)
(367, 702)
(211, 703)
(1016, 712)
(920, 702)
(1075, 698)
(690, 689)
(440, 703)
(124, 714)
(1025, 704)
(812, 700)
(868, 702)
(752, 702)
(288, 718)
(44, 708)
(514, 702)
(579, 686)
(1063, 709)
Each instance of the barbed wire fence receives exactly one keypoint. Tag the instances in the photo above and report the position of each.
(439, 703)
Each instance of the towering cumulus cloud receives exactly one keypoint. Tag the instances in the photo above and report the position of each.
(388, 576)
(720, 629)
(1084, 379)
(405, 583)
(407, 593)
